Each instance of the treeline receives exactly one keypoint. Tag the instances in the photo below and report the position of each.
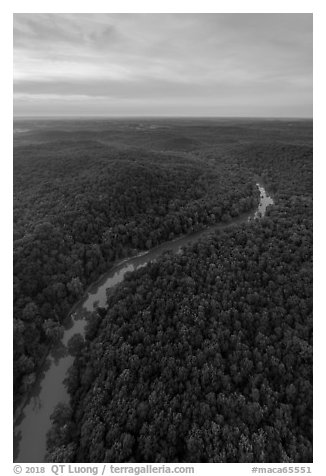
(79, 206)
(205, 356)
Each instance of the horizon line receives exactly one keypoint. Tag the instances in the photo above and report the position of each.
(148, 116)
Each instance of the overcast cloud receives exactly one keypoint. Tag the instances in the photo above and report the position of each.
(159, 64)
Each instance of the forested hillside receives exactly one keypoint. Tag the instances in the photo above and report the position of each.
(79, 205)
(206, 356)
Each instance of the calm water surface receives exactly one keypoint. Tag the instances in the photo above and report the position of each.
(34, 422)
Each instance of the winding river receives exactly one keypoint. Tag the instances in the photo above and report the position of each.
(34, 421)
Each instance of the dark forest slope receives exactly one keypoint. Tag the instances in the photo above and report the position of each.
(81, 204)
(206, 356)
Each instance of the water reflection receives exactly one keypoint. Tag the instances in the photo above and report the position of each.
(264, 202)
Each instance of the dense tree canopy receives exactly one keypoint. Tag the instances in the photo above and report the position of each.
(206, 356)
(79, 206)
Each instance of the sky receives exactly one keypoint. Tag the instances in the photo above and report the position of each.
(247, 65)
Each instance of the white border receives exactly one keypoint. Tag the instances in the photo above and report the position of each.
(167, 6)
